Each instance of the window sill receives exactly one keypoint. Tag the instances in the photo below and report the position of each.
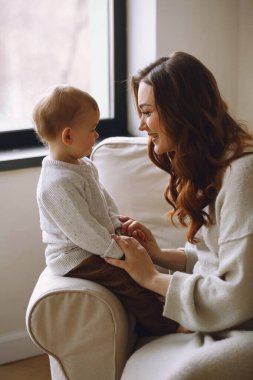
(22, 158)
(14, 159)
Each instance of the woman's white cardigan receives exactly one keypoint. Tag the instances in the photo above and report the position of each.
(216, 292)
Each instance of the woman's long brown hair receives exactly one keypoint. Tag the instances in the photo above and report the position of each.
(196, 119)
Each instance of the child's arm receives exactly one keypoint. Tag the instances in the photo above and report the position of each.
(68, 208)
(112, 209)
(111, 205)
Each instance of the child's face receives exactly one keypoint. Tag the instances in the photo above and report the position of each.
(84, 134)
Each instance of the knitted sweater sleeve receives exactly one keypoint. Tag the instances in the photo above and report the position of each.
(112, 207)
(218, 294)
(69, 210)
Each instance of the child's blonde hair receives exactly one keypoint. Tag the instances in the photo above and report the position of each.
(59, 108)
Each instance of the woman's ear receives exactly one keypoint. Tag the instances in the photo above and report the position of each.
(66, 136)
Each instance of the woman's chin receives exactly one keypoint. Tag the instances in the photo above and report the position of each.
(159, 150)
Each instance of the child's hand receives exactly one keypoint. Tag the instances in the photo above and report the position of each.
(118, 231)
(141, 233)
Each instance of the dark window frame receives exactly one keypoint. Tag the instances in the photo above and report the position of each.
(26, 138)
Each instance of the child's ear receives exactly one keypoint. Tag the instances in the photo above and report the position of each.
(67, 136)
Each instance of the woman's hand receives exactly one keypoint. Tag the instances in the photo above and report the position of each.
(140, 232)
(139, 265)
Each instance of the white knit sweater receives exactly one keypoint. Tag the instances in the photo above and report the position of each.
(218, 295)
(77, 215)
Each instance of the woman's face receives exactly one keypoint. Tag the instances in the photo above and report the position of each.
(151, 122)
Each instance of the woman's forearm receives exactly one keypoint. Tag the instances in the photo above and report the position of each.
(173, 259)
(140, 266)
(159, 283)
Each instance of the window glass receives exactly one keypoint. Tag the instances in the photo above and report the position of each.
(47, 42)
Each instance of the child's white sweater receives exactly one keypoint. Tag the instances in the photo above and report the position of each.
(77, 215)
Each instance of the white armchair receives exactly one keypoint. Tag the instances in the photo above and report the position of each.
(81, 325)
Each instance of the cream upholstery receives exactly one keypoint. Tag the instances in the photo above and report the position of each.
(136, 185)
(82, 326)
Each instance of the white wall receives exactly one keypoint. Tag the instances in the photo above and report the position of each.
(208, 30)
(141, 45)
(244, 103)
(22, 259)
(218, 32)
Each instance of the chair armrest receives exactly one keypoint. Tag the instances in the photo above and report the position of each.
(80, 324)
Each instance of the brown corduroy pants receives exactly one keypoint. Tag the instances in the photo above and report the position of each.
(145, 305)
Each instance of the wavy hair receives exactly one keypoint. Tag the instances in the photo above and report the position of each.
(196, 118)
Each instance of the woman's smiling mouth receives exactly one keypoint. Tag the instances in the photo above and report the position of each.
(154, 137)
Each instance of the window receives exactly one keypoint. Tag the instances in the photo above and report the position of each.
(79, 42)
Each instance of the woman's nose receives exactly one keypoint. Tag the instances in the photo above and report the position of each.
(142, 125)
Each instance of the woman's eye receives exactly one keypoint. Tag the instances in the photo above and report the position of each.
(146, 113)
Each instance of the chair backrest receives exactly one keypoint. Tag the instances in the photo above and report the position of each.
(137, 185)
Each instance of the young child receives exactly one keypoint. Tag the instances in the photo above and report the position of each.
(77, 215)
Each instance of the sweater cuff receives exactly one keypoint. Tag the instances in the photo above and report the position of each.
(179, 300)
(113, 251)
(116, 222)
(172, 303)
(191, 257)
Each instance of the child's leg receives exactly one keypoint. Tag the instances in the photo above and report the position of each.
(145, 305)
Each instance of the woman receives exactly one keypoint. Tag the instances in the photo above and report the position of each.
(208, 156)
